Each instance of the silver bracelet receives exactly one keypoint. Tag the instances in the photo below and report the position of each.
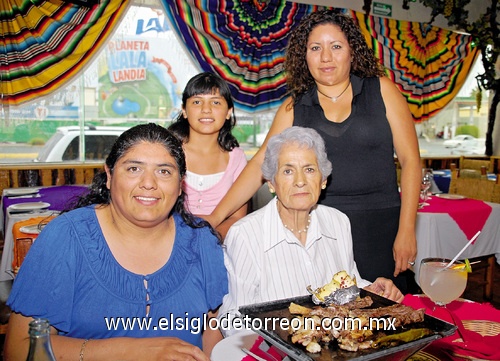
(82, 350)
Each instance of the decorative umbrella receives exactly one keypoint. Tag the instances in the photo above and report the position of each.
(244, 41)
(429, 64)
(43, 44)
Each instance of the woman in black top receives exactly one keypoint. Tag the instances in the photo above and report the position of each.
(338, 87)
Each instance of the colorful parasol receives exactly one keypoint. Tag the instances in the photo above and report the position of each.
(43, 44)
(244, 41)
(428, 64)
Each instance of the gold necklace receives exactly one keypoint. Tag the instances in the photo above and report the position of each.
(299, 231)
(334, 99)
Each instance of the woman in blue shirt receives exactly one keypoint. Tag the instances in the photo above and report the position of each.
(129, 274)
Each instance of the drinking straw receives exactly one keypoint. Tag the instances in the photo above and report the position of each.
(462, 250)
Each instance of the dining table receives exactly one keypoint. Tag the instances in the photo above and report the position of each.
(19, 204)
(474, 320)
(449, 221)
(477, 335)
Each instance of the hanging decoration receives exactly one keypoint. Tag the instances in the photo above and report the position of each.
(44, 44)
(428, 64)
(244, 41)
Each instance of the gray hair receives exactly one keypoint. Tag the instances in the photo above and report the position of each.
(303, 137)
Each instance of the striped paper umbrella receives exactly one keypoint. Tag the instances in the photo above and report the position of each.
(43, 44)
(244, 41)
(429, 64)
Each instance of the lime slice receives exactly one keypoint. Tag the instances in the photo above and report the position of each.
(465, 266)
(468, 268)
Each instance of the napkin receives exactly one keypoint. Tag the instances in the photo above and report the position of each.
(262, 349)
(476, 345)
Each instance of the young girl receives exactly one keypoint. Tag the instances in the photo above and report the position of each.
(214, 159)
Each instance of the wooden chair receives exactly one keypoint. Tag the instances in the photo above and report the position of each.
(473, 184)
(478, 186)
(22, 244)
(23, 239)
(487, 265)
(475, 163)
(495, 197)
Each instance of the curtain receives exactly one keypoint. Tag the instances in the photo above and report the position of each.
(44, 44)
(245, 42)
(428, 64)
(242, 41)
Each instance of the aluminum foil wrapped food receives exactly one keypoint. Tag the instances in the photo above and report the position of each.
(340, 290)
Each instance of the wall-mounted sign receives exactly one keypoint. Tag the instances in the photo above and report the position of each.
(382, 9)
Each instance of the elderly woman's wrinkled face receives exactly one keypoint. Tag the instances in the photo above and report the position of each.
(145, 184)
(298, 180)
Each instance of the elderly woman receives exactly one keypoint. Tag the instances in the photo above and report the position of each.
(292, 242)
(130, 253)
(338, 87)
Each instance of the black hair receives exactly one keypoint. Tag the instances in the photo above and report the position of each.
(207, 83)
(299, 79)
(147, 133)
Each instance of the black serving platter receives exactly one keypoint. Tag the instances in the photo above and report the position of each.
(281, 339)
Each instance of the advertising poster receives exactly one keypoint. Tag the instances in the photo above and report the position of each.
(143, 71)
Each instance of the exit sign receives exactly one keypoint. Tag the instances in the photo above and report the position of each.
(382, 9)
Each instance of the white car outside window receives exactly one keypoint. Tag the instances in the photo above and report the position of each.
(64, 145)
(460, 140)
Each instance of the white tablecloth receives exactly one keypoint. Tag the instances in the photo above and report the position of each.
(438, 235)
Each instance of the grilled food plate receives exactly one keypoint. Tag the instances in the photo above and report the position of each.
(280, 338)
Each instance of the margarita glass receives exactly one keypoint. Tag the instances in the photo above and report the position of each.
(442, 285)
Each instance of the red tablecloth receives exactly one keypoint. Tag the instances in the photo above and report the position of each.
(469, 214)
(463, 310)
(265, 351)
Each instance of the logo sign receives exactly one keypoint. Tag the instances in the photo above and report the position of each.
(382, 9)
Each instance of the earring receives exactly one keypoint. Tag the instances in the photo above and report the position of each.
(271, 190)
(323, 186)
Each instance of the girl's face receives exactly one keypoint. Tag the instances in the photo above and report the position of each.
(328, 55)
(206, 113)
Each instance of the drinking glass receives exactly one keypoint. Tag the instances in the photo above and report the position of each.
(425, 185)
(442, 285)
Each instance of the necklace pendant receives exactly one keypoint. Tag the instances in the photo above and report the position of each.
(334, 99)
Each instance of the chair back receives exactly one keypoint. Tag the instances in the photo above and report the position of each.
(474, 184)
(495, 197)
(24, 234)
(469, 173)
(472, 163)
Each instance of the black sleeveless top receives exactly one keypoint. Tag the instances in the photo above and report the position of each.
(360, 149)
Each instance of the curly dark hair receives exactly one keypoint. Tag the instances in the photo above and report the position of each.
(299, 79)
(207, 83)
(144, 133)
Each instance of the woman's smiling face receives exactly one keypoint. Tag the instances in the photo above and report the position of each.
(145, 184)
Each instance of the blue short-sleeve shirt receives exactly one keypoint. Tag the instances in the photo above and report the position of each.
(71, 277)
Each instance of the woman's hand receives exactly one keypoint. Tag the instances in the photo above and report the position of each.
(119, 348)
(386, 288)
(137, 349)
(405, 251)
